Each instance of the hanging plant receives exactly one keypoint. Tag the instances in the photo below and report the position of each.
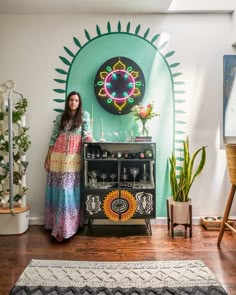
(20, 110)
(1, 116)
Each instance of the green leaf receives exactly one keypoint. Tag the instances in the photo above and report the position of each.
(1, 116)
(146, 33)
(64, 60)
(179, 83)
(137, 30)
(119, 26)
(180, 122)
(180, 158)
(169, 54)
(58, 110)
(98, 30)
(179, 149)
(162, 45)
(179, 100)
(87, 35)
(77, 43)
(155, 38)
(179, 132)
(108, 27)
(60, 81)
(61, 71)
(69, 52)
(176, 74)
(179, 168)
(182, 180)
(180, 112)
(175, 65)
(128, 27)
(200, 166)
(59, 90)
(59, 100)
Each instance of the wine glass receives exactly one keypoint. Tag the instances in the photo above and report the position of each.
(134, 172)
(113, 176)
(103, 176)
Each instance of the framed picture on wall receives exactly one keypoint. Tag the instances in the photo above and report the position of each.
(229, 95)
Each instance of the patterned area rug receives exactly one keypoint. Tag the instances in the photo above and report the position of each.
(117, 278)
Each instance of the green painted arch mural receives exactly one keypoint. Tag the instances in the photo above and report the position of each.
(164, 87)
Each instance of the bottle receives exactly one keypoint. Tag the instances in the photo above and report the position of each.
(148, 154)
(141, 155)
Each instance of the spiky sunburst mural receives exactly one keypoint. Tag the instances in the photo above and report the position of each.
(161, 84)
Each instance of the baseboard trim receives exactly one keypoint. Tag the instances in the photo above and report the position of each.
(157, 221)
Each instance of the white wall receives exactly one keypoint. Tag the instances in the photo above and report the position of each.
(31, 44)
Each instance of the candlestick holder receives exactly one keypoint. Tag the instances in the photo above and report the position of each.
(91, 130)
(102, 139)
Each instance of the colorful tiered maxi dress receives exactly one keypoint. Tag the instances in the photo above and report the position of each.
(62, 203)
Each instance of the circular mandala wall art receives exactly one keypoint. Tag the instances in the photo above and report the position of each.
(119, 85)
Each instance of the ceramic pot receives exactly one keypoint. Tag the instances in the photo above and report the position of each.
(181, 213)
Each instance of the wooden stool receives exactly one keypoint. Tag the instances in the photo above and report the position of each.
(231, 161)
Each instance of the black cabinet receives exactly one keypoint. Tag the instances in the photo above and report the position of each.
(118, 181)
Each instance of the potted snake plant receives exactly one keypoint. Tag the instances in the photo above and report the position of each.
(181, 180)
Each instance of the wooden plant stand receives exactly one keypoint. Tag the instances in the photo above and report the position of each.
(170, 221)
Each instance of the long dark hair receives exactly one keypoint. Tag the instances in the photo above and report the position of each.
(67, 115)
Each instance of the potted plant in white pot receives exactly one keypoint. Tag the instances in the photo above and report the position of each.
(182, 177)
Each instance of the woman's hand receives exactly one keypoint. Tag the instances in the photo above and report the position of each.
(47, 163)
(88, 138)
(48, 159)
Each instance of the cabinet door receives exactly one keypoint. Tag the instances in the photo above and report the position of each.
(145, 203)
(119, 204)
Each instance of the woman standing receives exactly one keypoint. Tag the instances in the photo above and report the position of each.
(63, 164)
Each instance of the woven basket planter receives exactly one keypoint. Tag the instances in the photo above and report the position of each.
(231, 161)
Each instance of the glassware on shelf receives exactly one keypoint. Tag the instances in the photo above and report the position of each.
(134, 172)
(117, 136)
(145, 175)
(124, 175)
(93, 177)
(113, 176)
(103, 176)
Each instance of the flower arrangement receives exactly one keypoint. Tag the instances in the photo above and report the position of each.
(144, 113)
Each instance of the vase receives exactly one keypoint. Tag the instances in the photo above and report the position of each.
(144, 128)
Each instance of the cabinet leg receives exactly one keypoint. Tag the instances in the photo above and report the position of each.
(171, 220)
(226, 213)
(190, 221)
(149, 227)
(168, 215)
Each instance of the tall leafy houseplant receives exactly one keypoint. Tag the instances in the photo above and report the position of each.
(181, 182)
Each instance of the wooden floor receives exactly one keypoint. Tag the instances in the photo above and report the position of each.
(119, 243)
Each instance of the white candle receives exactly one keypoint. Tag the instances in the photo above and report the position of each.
(101, 125)
(92, 112)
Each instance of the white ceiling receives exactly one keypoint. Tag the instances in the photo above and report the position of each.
(115, 6)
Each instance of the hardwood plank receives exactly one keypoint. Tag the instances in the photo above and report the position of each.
(119, 243)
